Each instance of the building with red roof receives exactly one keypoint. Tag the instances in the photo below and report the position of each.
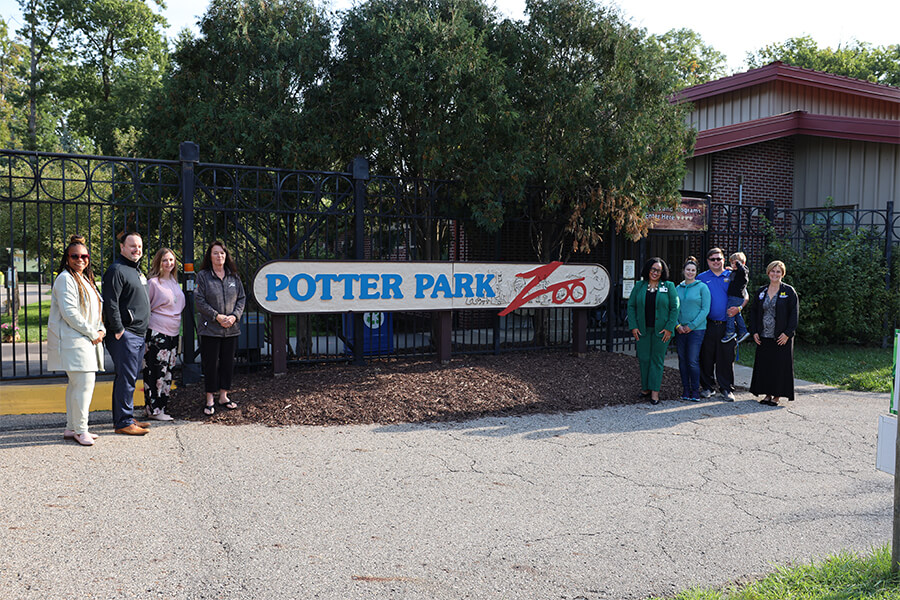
(795, 136)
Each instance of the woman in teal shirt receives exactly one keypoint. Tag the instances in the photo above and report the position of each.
(653, 314)
(694, 302)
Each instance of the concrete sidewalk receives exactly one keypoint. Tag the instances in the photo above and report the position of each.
(742, 375)
(621, 502)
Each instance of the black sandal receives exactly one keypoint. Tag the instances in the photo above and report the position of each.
(230, 405)
(209, 410)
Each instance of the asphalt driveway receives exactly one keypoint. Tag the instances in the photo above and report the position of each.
(620, 502)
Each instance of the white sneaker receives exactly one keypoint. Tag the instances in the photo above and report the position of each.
(159, 414)
(728, 396)
(70, 435)
(85, 439)
(706, 393)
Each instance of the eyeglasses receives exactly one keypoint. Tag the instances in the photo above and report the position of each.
(656, 270)
(715, 259)
(81, 256)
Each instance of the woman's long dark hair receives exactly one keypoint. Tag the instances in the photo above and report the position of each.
(230, 266)
(645, 272)
(86, 275)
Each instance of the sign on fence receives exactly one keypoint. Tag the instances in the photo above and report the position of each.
(286, 287)
(689, 216)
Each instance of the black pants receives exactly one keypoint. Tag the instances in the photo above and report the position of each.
(717, 359)
(217, 360)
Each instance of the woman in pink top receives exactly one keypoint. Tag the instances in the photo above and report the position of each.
(166, 304)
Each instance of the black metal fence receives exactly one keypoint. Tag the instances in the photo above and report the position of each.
(265, 214)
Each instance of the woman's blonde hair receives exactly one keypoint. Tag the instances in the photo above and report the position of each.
(157, 261)
(777, 263)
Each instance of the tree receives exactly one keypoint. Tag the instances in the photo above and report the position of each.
(602, 142)
(693, 61)
(43, 21)
(888, 64)
(13, 127)
(415, 88)
(122, 53)
(859, 60)
(240, 88)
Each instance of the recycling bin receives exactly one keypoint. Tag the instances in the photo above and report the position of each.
(378, 333)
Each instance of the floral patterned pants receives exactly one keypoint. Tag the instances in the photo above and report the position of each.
(159, 359)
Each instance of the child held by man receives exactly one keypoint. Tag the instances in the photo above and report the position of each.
(737, 291)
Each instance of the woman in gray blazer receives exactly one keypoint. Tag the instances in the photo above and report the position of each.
(75, 334)
(220, 303)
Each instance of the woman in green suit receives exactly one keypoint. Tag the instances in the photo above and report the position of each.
(653, 314)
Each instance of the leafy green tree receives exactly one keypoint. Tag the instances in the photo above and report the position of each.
(415, 88)
(13, 125)
(240, 88)
(693, 61)
(122, 53)
(602, 143)
(859, 60)
(887, 63)
(44, 20)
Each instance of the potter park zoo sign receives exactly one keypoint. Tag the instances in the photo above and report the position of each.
(287, 287)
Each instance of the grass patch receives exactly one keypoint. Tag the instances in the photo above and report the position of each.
(32, 321)
(845, 576)
(852, 367)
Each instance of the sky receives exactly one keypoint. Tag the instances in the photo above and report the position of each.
(731, 28)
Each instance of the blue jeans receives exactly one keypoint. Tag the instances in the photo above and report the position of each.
(736, 321)
(688, 345)
(128, 355)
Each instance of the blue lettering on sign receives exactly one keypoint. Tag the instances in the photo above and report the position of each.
(483, 287)
(326, 280)
(348, 284)
(274, 284)
(365, 286)
(442, 285)
(463, 285)
(391, 283)
(295, 287)
(423, 282)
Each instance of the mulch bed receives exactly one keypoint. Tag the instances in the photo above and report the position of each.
(405, 391)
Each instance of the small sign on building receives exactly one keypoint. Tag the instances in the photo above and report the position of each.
(691, 215)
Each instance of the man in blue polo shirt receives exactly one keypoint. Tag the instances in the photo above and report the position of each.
(716, 358)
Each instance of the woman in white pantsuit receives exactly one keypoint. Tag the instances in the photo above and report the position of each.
(74, 334)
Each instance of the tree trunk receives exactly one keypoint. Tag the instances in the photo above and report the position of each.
(32, 96)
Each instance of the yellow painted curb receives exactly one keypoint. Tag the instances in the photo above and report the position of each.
(40, 398)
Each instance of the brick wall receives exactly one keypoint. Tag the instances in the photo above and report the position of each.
(768, 174)
(768, 170)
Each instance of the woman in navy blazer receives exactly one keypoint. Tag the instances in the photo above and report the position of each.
(653, 314)
(773, 321)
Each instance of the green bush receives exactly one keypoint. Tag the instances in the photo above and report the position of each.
(840, 279)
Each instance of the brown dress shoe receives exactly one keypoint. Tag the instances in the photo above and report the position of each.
(133, 430)
(142, 424)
